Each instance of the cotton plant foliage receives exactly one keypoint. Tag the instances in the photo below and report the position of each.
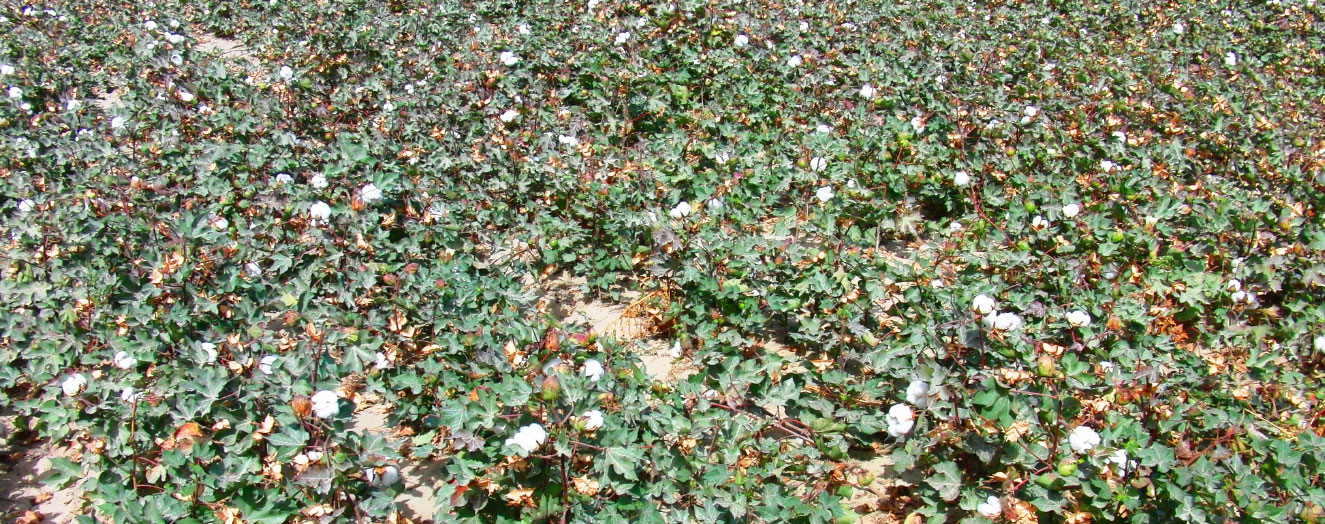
(1051, 260)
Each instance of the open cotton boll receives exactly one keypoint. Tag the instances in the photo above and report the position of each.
(1007, 322)
(961, 179)
(370, 193)
(1083, 439)
(990, 508)
(824, 194)
(325, 404)
(818, 163)
(984, 304)
(319, 212)
(593, 369)
(382, 477)
(681, 210)
(1071, 210)
(1078, 318)
(593, 419)
(124, 361)
(74, 384)
(900, 420)
(917, 392)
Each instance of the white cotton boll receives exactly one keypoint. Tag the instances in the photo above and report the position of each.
(722, 158)
(319, 211)
(185, 96)
(283, 178)
(988, 320)
(325, 404)
(567, 140)
(984, 304)
(1319, 343)
(714, 205)
(622, 37)
(1039, 222)
(509, 58)
(990, 508)
(174, 24)
(900, 420)
(918, 124)
(1234, 285)
(123, 360)
(681, 210)
(15, 92)
(208, 351)
(253, 270)
(528, 438)
(1179, 28)
(129, 395)
(1007, 322)
(509, 116)
(382, 477)
(795, 60)
(1120, 136)
(1083, 439)
(1108, 166)
(955, 227)
(824, 194)
(917, 393)
(26, 205)
(593, 369)
(593, 419)
(1078, 318)
(388, 107)
(1239, 296)
(150, 25)
(380, 362)
(318, 181)
(117, 122)
(265, 364)
(823, 129)
(1120, 459)
(1031, 111)
(741, 40)
(818, 164)
(174, 38)
(522, 29)
(74, 384)
(286, 73)
(6, 69)
(867, 91)
(219, 223)
(370, 193)
(675, 351)
(1071, 210)
(961, 179)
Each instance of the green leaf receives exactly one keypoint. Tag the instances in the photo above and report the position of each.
(624, 461)
(947, 480)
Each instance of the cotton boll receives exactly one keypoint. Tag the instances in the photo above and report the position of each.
(824, 194)
(325, 404)
(370, 193)
(1083, 439)
(593, 369)
(1007, 322)
(593, 419)
(990, 508)
(123, 360)
(961, 179)
(1078, 318)
(984, 304)
(1071, 210)
(917, 393)
(74, 384)
(818, 163)
(900, 420)
(681, 210)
